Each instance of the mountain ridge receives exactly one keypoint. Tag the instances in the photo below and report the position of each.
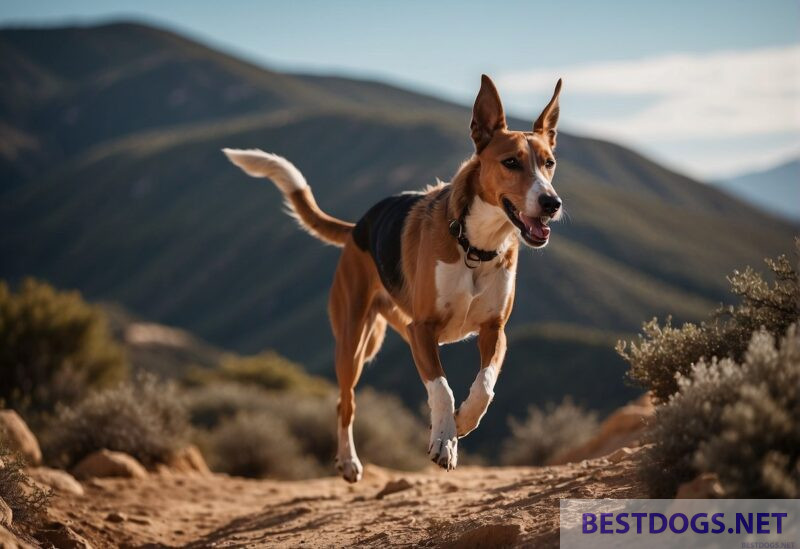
(775, 190)
(126, 195)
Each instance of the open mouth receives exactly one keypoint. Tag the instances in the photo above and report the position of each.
(534, 230)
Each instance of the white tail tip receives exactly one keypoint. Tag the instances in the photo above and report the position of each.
(257, 163)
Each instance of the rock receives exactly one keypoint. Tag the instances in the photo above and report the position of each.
(188, 460)
(58, 480)
(621, 455)
(394, 486)
(622, 428)
(19, 438)
(116, 517)
(105, 463)
(449, 487)
(705, 486)
(163, 470)
(61, 536)
(10, 541)
(6, 515)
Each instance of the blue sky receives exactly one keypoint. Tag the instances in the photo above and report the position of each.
(710, 87)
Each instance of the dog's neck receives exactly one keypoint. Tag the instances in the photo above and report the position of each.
(487, 227)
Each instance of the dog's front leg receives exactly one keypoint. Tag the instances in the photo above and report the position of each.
(492, 345)
(443, 448)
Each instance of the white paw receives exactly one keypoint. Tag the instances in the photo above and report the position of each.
(350, 469)
(466, 422)
(443, 448)
(469, 414)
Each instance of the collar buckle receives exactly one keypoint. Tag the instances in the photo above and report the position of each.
(473, 257)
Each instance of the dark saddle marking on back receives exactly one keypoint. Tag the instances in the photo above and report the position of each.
(380, 233)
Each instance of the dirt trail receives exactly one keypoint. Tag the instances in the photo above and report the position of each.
(469, 507)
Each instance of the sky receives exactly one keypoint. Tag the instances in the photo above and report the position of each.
(709, 87)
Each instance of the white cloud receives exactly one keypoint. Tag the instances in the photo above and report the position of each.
(721, 94)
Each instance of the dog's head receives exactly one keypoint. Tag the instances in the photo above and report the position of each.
(516, 168)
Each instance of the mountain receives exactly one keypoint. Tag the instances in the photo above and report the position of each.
(776, 190)
(113, 183)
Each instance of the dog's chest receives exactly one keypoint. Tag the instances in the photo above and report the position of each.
(470, 297)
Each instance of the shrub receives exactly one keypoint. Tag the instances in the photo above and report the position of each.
(739, 421)
(53, 347)
(27, 500)
(387, 433)
(145, 418)
(665, 351)
(303, 430)
(259, 445)
(267, 370)
(545, 433)
(210, 405)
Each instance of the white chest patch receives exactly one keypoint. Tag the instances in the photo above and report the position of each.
(470, 297)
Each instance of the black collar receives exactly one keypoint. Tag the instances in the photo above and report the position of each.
(458, 229)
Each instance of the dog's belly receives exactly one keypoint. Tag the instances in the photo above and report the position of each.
(470, 297)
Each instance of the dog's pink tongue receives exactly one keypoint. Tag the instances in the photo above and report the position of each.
(535, 227)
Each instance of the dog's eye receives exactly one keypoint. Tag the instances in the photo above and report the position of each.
(512, 163)
(549, 163)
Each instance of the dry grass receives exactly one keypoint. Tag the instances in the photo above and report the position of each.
(547, 432)
(28, 502)
(145, 418)
(252, 432)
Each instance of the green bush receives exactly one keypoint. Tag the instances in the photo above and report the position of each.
(267, 370)
(144, 417)
(28, 502)
(545, 433)
(665, 351)
(738, 420)
(54, 347)
(303, 431)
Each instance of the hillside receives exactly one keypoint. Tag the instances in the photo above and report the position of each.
(113, 183)
(775, 189)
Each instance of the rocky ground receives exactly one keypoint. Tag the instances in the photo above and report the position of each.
(469, 507)
(110, 500)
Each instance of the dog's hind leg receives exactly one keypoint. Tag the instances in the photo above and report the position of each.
(352, 316)
(376, 324)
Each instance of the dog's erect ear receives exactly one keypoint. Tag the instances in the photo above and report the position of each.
(547, 122)
(487, 114)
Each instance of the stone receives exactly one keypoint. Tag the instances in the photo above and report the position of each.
(704, 486)
(10, 541)
(19, 438)
(394, 486)
(58, 480)
(61, 536)
(623, 428)
(105, 463)
(116, 517)
(188, 460)
(6, 515)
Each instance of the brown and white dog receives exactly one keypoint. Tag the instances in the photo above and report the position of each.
(437, 266)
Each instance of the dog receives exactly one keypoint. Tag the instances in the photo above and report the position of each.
(437, 266)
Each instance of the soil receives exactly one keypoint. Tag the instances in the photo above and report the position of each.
(468, 507)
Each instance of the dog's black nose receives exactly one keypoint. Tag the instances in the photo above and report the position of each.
(550, 204)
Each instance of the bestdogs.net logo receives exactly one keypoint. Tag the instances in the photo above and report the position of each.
(743, 524)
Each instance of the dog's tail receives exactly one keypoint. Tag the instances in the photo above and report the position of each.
(292, 184)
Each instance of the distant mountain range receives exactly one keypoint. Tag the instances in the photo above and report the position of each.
(112, 181)
(776, 190)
